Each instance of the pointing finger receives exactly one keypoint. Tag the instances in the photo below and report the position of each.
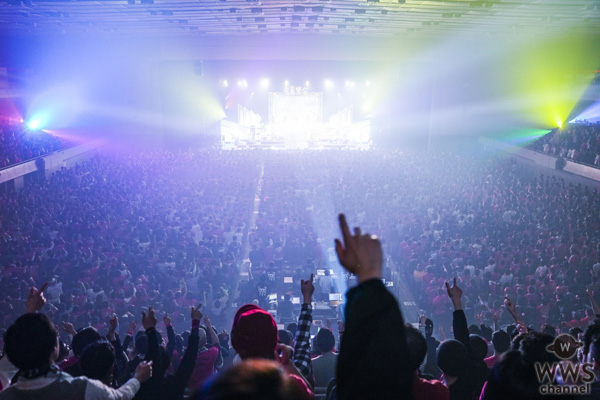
(44, 286)
(344, 228)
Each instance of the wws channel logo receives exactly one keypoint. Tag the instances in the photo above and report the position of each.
(565, 377)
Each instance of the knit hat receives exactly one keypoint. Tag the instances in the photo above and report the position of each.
(452, 357)
(254, 332)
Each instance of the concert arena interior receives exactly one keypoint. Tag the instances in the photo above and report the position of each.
(308, 199)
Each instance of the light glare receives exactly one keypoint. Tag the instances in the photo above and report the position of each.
(34, 124)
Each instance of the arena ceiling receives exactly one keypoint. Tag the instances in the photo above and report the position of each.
(359, 18)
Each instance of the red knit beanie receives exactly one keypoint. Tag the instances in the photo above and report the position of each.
(254, 332)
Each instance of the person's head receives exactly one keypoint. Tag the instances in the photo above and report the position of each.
(428, 327)
(575, 331)
(325, 340)
(486, 333)
(202, 338)
(254, 332)
(452, 358)
(31, 342)
(141, 344)
(83, 338)
(292, 327)
(417, 347)
(474, 330)
(285, 337)
(479, 347)
(593, 355)
(549, 330)
(253, 380)
(516, 374)
(501, 341)
(97, 361)
(591, 333)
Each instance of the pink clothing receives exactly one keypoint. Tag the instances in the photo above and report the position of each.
(204, 369)
(491, 361)
(429, 390)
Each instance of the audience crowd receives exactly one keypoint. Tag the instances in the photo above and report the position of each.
(141, 263)
(18, 144)
(578, 142)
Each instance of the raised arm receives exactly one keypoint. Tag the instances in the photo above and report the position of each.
(154, 356)
(188, 362)
(120, 356)
(214, 341)
(302, 343)
(512, 309)
(459, 321)
(129, 337)
(374, 340)
(495, 318)
(170, 334)
(35, 300)
(595, 306)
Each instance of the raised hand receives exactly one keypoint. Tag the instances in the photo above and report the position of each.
(207, 321)
(113, 322)
(512, 309)
(166, 319)
(359, 254)
(479, 318)
(595, 306)
(510, 306)
(283, 354)
(35, 299)
(195, 312)
(131, 327)
(149, 320)
(307, 288)
(68, 327)
(454, 292)
(112, 326)
(496, 317)
(143, 372)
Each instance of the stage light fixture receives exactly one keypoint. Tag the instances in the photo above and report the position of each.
(34, 124)
(286, 83)
(307, 84)
(264, 83)
(328, 84)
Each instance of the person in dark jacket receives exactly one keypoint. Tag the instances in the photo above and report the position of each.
(464, 370)
(370, 363)
(171, 386)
